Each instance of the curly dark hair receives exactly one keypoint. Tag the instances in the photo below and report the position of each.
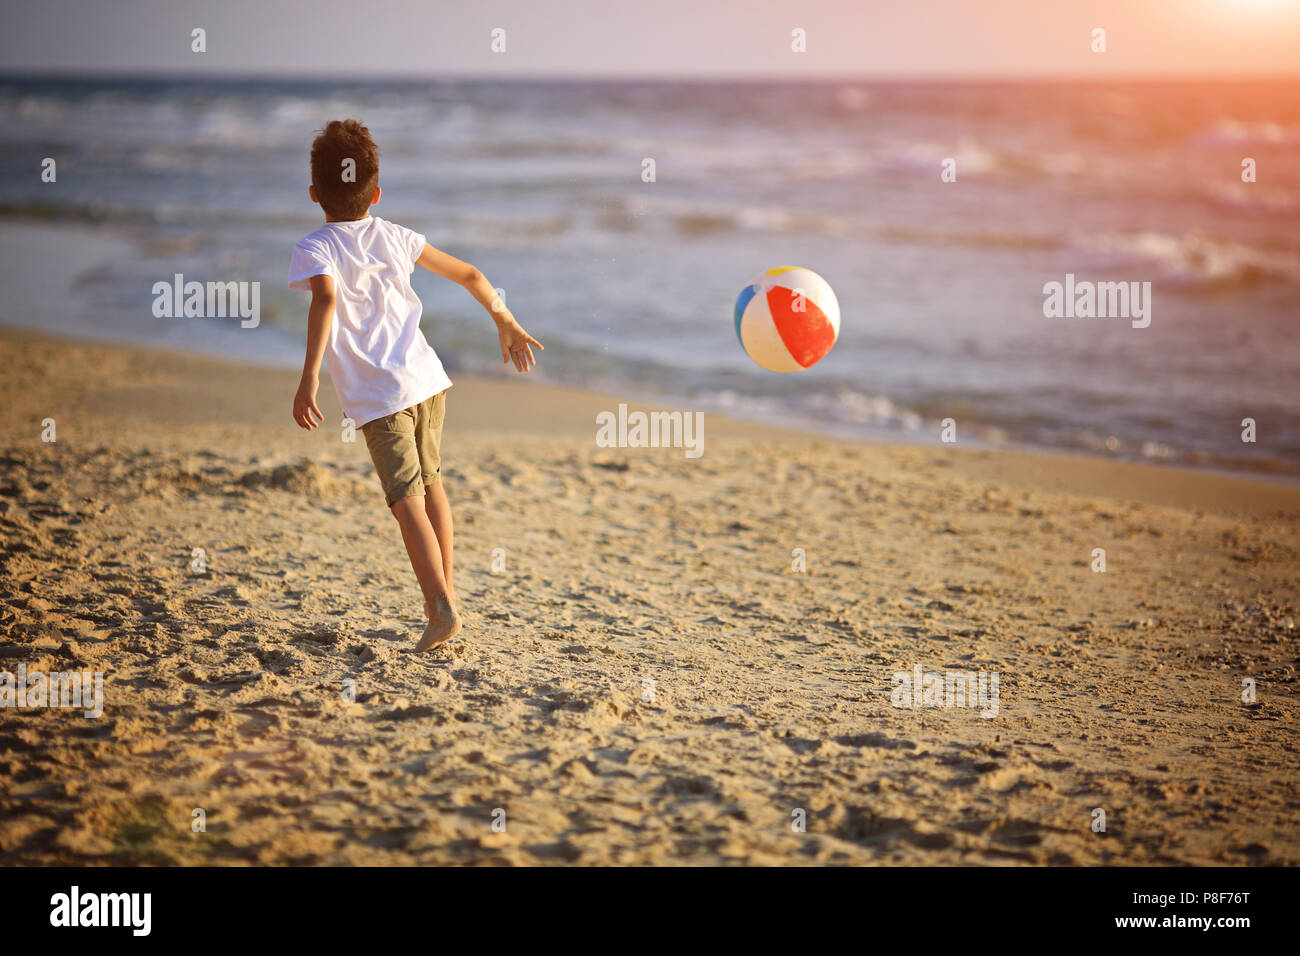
(342, 140)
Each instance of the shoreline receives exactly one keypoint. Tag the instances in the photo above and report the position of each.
(1076, 472)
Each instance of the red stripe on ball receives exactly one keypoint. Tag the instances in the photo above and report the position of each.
(807, 335)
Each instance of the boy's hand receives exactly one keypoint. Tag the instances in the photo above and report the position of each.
(515, 344)
(304, 407)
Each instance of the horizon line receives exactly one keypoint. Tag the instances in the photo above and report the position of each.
(57, 73)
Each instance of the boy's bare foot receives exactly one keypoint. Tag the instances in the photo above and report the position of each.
(444, 624)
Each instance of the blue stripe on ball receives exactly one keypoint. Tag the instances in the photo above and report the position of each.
(746, 294)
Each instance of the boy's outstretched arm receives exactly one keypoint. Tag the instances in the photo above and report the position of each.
(515, 342)
(319, 318)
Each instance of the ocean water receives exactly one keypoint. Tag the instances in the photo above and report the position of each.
(631, 284)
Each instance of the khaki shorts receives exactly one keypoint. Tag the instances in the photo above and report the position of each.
(404, 447)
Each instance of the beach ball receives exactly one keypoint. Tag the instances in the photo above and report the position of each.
(787, 319)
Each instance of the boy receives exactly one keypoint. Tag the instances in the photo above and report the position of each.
(366, 316)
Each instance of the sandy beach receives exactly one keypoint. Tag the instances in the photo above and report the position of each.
(644, 676)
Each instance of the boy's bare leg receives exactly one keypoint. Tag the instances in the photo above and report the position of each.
(426, 560)
(438, 509)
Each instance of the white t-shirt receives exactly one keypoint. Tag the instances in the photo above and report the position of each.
(379, 359)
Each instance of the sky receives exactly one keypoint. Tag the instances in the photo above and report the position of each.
(654, 38)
